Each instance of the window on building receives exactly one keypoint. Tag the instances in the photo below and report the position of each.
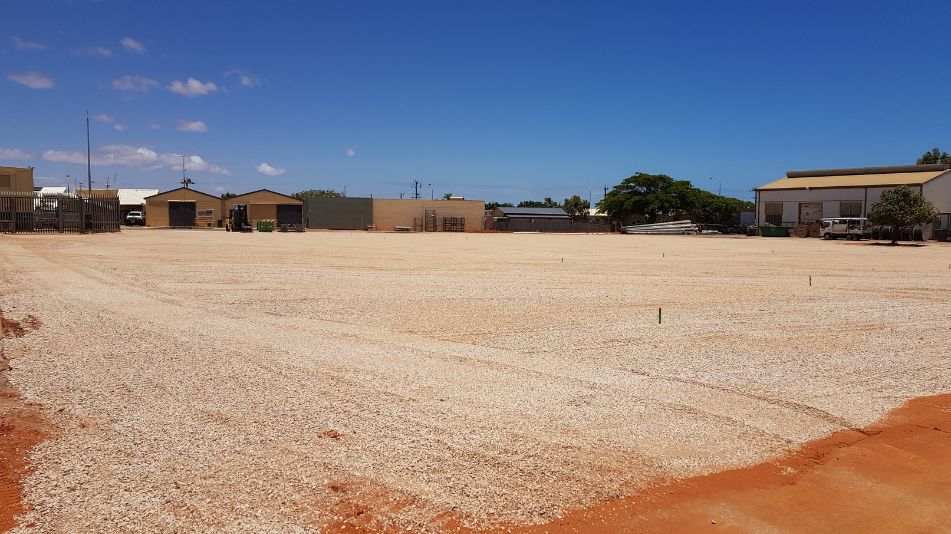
(850, 209)
(774, 213)
(205, 213)
(6, 181)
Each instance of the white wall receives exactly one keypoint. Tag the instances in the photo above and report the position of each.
(937, 191)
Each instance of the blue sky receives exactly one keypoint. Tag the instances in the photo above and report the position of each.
(495, 100)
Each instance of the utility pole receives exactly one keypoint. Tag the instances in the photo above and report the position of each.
(88, 158)
(416, 186)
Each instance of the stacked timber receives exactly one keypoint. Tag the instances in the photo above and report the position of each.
(670, 228)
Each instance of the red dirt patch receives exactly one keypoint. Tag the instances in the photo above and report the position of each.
(21, 427)
(889, 477)
(330, 434)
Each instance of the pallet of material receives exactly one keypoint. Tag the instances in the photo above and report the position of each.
(669, 228)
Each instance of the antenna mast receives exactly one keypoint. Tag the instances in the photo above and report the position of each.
(88, 158)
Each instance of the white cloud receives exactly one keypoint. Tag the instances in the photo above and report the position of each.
(192, 87)
(245, 78)
(192, 126)
(142, 158)
(132, 45)
(103, 117)
(155, 126)
(93, 51)
(268, 170)
(14, 153)
(350, 152)
(131, 82)
(119, 127)
(22, 44)
(33, 80)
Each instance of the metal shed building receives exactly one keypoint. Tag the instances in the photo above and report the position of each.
(265, 204)
(182, 208)
(807, 196)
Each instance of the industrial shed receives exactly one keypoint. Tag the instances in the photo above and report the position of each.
(265, 204)
(133, 200)
(428, 215)
(16, 179)
(807, 196)
(182, 208)
(508, 219)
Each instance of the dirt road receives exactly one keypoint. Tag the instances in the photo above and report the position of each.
(296, 381)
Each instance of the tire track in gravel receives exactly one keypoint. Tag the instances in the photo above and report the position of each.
(791, 405)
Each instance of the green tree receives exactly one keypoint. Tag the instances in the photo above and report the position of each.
(311, 193)
(492, 205)
(228, 194)
(577, 208)
(900, 208)
(547, 203)
(650, 195)
(935, 155)
(446, 196)
(708, 208)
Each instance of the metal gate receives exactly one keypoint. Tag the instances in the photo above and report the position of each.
(34, 213)
(289, 214)
(181, 213)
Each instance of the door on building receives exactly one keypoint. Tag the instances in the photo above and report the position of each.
(181, 214)
(289, 213)
(810, 212)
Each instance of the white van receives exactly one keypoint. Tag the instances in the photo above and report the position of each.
(851, 228)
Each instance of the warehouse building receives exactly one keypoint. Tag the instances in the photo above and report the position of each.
(456, 215)
(265, 204)
(183, 208)
(508, 219)
(807, 196)
(16, 179)
(133, 200)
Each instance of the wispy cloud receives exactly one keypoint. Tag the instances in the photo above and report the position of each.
(192, 126)
(350, 152)
(192, 87)
(103, 117)
(245, 78)
(93, 51)
(134, 82)
(14, 153)
(142, 158)
(155, 126)
(132, 45)
(23, 44)
(119, 127)
(33, 80)
(268, 170)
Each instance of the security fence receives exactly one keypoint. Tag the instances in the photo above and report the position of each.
(36, 213)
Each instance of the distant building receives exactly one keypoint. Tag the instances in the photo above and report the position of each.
(507, 219)
(265, 204)
(16, 179)
(394, 213)
(133, 200)
(807, 196)
(183, 208)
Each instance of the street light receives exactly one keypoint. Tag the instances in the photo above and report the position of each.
(719, 186)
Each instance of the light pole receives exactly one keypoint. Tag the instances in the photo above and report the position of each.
(432, 192)
(719, 186)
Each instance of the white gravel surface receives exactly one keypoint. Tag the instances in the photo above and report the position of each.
(201, 378)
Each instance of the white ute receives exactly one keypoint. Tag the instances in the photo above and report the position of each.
(851, 228)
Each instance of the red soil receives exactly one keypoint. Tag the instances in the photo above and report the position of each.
(21, 427)
(892, 476)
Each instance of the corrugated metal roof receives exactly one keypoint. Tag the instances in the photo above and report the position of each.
(129, 197)
(853, 180)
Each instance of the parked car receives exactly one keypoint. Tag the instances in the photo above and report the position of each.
(135, 218)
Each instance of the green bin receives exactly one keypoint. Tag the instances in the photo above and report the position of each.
(774, 231)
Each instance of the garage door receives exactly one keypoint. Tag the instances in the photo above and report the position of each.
(810, 212)
(181, 214)
(289, 213)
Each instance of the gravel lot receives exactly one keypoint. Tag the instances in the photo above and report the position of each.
(294, 382)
